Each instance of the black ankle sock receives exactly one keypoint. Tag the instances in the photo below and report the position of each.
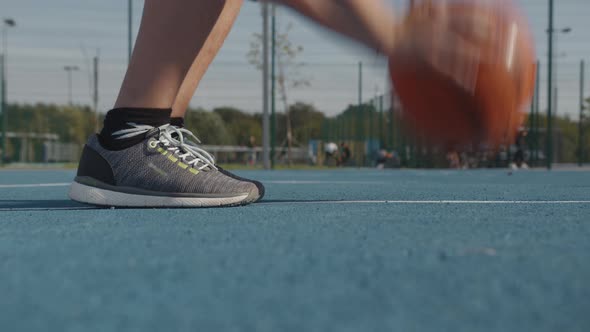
(177, 121)
(118, 118)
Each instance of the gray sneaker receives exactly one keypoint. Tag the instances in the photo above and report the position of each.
(167, 169)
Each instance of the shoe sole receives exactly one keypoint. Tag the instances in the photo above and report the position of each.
(103, 197)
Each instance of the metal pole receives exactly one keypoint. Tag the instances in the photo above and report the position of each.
(129, 29)
(537, 103)
(381, 138)
(265, 70)
(371, 115)
(3, 109)
(389, 123)
(4, 49)
(394, 132)
(532, 129)
(95, 92)
(581, 119)
(556, 152)
(6, 23)
(360, 84)
(359, 119)
(555, 102)
(549, 141)
(69, 86)
(69, 70)
(273, 119)
(3, 93)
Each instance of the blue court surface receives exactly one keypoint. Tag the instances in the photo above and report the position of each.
(333, 250)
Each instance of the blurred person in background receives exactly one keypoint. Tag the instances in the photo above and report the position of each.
(344, 154)
(252, 159)
(331, 154)
(382, 157)
(453, 159)
(520, 144)
(143, 156)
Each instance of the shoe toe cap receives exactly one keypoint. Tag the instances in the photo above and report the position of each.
(255, 193)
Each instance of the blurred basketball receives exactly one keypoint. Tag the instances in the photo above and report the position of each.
(465, 73)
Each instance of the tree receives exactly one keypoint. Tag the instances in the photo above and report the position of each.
(209, 127)
(72, 124)
(289, 74)
(241, 125)
(306, 121)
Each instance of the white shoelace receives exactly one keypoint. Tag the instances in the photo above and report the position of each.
(188, 151)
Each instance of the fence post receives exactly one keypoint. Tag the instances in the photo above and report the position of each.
(536, 103)
(581, 119)
(359, 118)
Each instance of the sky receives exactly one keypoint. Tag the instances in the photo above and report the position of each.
(52, 34)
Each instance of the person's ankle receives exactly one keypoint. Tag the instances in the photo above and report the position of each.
(177, 121)
(120, 118)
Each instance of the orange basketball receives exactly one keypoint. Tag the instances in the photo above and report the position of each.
(466, 72)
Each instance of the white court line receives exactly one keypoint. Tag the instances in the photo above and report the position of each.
(443, 202)
(322, 182)
(48, 208)
(35, 185)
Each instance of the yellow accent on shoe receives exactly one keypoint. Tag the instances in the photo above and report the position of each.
(183, 165)
(174, 159)
(194, 171)
(164, 153)
(160, 150)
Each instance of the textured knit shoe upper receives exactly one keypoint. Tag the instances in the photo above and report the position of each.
(155, 165)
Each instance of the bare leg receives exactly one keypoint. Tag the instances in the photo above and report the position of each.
(369, 22)
(170, 36)
(205, 57)
(347, 17)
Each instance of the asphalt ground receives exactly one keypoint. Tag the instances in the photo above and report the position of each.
(333, 250)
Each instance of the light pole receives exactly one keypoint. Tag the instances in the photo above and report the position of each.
(557, 55)
(273, 62)
(129, 29)
(69, 70)
(6, 23)
(265, 98)
(551, 31)
(581, 117)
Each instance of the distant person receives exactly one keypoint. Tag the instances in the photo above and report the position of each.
(331, 153)
(464, 160)
(382, 157)
(344, 154)
(454, 159)
(520, 143)
(252, 154)
(143, 156)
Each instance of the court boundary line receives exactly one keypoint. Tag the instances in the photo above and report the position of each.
(295, 182)
(35, 185)
(399, 202)
(321, 182)
(334, 202)
(434, 202)
(24, 209)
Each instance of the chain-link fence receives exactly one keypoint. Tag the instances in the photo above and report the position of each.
(70, 34)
